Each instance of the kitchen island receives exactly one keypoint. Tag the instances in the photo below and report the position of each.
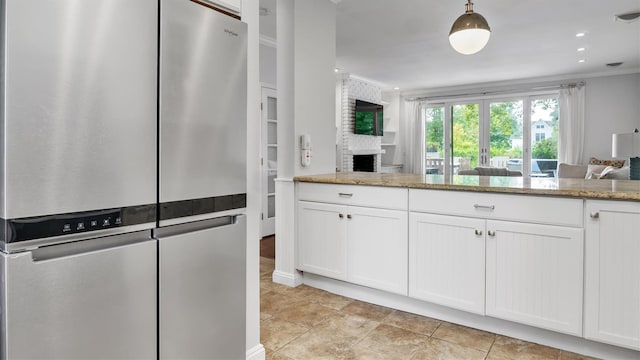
(553, 261)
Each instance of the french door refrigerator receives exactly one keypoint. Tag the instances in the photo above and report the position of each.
(202, 182)
(78, 266)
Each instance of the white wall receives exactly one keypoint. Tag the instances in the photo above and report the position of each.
(268, 65)
(306, 105)
(314, 82)
(612, 106)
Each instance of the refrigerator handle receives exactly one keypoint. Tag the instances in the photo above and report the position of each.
(197, 225)
(53, 252)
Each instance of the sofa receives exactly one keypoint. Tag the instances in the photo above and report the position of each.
(595, 169)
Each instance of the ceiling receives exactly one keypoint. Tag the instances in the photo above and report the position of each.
(405, 43)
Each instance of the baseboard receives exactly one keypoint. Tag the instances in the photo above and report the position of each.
(283, 278)
(486, 323)
(256, 353)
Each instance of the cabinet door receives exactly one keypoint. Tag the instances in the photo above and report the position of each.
(535, 274)
(447, 260)
(377, 248)
(322, 245)
(612, 294)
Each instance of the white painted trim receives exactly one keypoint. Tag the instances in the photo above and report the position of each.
(283, 180)
(264, 85)
(486, 323)
(256, 353)
(288, 279)
(268, 41)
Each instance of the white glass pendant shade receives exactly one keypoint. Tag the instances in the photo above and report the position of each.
(470, 32)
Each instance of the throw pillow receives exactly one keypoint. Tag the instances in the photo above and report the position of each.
(611, 172)
(614, 163)
(594, 171)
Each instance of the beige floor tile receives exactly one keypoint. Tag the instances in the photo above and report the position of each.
(521, 350)
(333, 301)
(412, 322)
(272, 303)
(443, 350)
(467, 337)
(332, 339)
(275, 333)
(389, 342)
(565, 355)
(306, 313)
(276, 355)
(367, 311)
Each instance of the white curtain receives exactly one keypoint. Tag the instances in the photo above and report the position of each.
(571, 125)
(414, 137)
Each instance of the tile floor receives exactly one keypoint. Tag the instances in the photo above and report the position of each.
(305, 323)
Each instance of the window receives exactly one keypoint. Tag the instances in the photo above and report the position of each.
(493, 132)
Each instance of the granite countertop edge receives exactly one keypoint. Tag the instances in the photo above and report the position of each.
(576, 188)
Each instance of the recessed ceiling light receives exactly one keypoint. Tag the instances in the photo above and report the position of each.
(581, 49)
(580, 34)
(336, 70)
(396, 88)
(581, 60)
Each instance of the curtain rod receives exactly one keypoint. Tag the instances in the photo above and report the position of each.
(507, 91)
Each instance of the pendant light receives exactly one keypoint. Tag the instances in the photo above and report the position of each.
(470, 32)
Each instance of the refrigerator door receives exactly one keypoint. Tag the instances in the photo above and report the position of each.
(79, 105)
(93, 299)
(203, 85)
(202, 289)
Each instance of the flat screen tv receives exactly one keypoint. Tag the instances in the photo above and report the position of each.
(368, 118)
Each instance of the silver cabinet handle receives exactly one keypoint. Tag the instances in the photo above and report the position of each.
(595, 215)
(341, 216)
(349, 216)
(347, 195)
(478, 232)
(491, 233)
(488, 207)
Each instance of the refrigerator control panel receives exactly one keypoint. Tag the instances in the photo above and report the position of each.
(23, 229)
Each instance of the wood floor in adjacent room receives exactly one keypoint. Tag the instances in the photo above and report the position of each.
(305, 323)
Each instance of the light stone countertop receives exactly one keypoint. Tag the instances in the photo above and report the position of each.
(577, 188)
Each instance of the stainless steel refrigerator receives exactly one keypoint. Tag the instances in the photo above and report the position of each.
(202, 182)
(78, 179)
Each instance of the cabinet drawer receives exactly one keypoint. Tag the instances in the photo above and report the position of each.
(368, 196)
(523, 208)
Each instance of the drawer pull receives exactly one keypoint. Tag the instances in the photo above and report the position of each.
(491, 233)
(341, 216)
(595, 215)
(347, 195)
(479, 232)
(487, 207)
(349, 216)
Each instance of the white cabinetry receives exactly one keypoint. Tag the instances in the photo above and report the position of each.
(534, 275)
(533, 255)
(612, 278)
(446, 260)
(354, 233)
(322, 239)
